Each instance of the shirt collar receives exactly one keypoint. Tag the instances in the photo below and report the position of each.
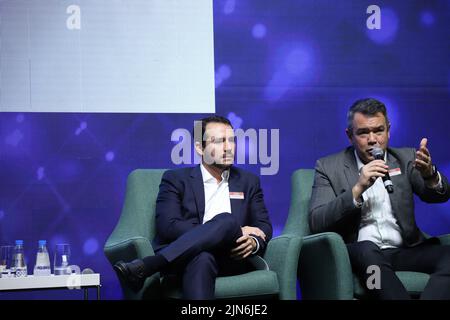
(207, 177)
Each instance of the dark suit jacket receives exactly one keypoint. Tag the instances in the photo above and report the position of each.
(332, 208)
(180, 205)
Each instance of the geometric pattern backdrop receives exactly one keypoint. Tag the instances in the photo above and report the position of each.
(295, 66)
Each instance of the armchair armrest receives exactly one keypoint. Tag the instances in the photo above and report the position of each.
(444, 239)
(282, 254)
(324, 268)
(128, 249)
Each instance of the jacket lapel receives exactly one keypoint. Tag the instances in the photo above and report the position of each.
(235, 185)
(351, 169)
(199, 191)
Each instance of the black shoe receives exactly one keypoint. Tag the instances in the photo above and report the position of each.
(131, 273)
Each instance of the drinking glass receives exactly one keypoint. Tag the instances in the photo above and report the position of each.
(61, 265)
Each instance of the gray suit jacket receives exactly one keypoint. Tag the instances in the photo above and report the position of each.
(332, 209)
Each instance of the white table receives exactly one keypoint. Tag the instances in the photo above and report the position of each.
(73, 281)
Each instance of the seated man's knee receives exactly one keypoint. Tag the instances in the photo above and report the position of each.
(227, 221)
(366, 253)
(365, 246)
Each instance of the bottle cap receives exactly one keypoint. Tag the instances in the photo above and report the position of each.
(19, 242)
(42, 242)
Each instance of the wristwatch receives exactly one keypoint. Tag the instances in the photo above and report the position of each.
(433, 175)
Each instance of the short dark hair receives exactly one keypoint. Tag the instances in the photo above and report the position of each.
(368, 107)
(203, 123)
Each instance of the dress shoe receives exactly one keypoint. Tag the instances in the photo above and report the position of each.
(131, 273)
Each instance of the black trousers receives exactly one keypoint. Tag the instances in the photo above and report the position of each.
(429, 257)
(200, 255)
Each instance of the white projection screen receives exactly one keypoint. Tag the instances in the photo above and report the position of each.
(136, 56)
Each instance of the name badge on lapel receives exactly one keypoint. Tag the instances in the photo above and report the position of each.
(395, 172)
(236, 195)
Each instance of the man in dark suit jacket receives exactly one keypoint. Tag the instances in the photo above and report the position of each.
(379, 227)
(210, 220)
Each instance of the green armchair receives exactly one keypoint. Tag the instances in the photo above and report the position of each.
(135, 229)
(324, 267)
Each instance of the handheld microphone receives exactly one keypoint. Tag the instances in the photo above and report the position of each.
(378, 154)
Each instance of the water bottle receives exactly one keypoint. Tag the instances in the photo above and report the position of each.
(19, 262)
(42, 266)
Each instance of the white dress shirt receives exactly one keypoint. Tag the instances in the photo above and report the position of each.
(217, 195)
(378, 223)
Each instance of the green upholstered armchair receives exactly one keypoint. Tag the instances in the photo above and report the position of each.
(324, 267)
(132, 237)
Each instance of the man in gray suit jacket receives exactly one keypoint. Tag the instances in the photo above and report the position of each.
(349, 197)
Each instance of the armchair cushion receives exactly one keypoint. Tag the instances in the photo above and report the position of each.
(414, 283)
(256, 283)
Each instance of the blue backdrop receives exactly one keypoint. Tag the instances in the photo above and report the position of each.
(295, 66)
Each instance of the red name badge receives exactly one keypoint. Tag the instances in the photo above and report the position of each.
(236, 195)
(395, 172)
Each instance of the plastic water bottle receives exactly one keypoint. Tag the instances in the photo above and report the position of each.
(19, 261)
(42, 266)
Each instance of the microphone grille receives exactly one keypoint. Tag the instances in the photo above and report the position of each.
(377, 153)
